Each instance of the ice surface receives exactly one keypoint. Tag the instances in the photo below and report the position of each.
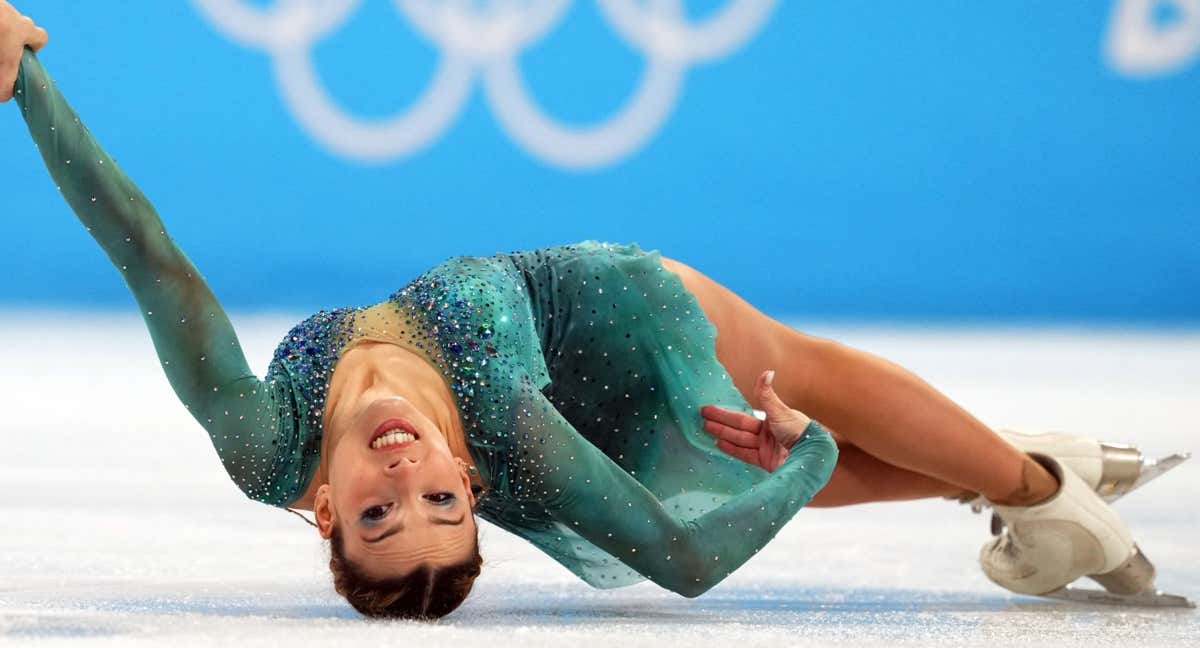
(120, 527)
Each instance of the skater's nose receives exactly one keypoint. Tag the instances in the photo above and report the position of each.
(402, 464)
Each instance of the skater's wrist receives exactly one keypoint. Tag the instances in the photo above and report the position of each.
(814, 454)
(813, 429)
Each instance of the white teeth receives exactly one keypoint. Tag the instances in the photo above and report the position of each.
(393, 437)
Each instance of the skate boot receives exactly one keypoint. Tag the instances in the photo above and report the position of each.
(1112, 470)
(1073, 534)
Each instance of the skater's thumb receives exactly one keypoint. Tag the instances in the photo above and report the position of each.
(772, 404)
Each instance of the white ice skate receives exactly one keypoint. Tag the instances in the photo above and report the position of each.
(1049, 545)
(1112, 470)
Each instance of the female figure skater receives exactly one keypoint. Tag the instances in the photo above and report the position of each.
(596, 399)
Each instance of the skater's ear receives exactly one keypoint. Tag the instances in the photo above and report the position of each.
(323, 511)
(464, 474)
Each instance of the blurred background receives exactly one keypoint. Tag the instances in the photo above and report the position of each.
(922, 161)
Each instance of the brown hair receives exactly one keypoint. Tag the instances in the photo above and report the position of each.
(425, 593)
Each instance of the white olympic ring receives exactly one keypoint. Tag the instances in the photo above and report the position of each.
(1137, 47)
(483, 39)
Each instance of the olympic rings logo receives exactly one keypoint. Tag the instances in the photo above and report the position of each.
(1138, 47)
(482, 40)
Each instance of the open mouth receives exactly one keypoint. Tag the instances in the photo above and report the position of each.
(393, 433)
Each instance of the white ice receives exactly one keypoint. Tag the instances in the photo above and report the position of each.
(119, 526)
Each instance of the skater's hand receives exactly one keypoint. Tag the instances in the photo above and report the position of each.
(762, 443)
(16, 31)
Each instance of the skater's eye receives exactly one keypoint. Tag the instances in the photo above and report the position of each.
(376, 513)
(442, 499)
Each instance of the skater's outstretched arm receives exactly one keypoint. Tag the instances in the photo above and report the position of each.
(585, 490)
(194, 339)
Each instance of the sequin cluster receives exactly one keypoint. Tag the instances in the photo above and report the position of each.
(304, 361)
(451, 315)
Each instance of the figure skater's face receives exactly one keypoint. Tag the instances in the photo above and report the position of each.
(399, 500)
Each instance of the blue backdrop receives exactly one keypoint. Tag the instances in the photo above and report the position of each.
(863, 159)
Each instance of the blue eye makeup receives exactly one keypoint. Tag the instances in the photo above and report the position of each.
(375, 513)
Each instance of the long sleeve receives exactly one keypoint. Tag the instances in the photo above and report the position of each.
(584, 489)
(192, 335)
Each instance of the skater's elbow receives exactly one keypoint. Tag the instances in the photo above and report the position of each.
(693, 584)
(695, 588)
(691, 575)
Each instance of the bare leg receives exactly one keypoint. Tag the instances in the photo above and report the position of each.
(875, 405)
(895, 416)
(860, 478)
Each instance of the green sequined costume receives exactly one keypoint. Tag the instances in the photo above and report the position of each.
(578, 372)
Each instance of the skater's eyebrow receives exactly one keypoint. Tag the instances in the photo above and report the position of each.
(400, 527)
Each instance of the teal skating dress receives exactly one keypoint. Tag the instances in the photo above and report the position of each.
(578, 372)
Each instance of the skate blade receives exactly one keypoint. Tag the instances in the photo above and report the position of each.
(1153, 598)
(1151, 470)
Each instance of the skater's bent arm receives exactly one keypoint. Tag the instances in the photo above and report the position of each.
(192, 335)
(585, 490)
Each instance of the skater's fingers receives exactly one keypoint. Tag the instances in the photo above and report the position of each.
(38, 39)
(745, 454)
(740, 420)
(8, 77)
(781, 454)
(732, 435)
(11, 48)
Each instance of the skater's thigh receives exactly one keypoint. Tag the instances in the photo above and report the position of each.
(749, 341)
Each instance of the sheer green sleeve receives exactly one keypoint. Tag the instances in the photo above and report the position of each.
(192, 336)
(584, 489)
